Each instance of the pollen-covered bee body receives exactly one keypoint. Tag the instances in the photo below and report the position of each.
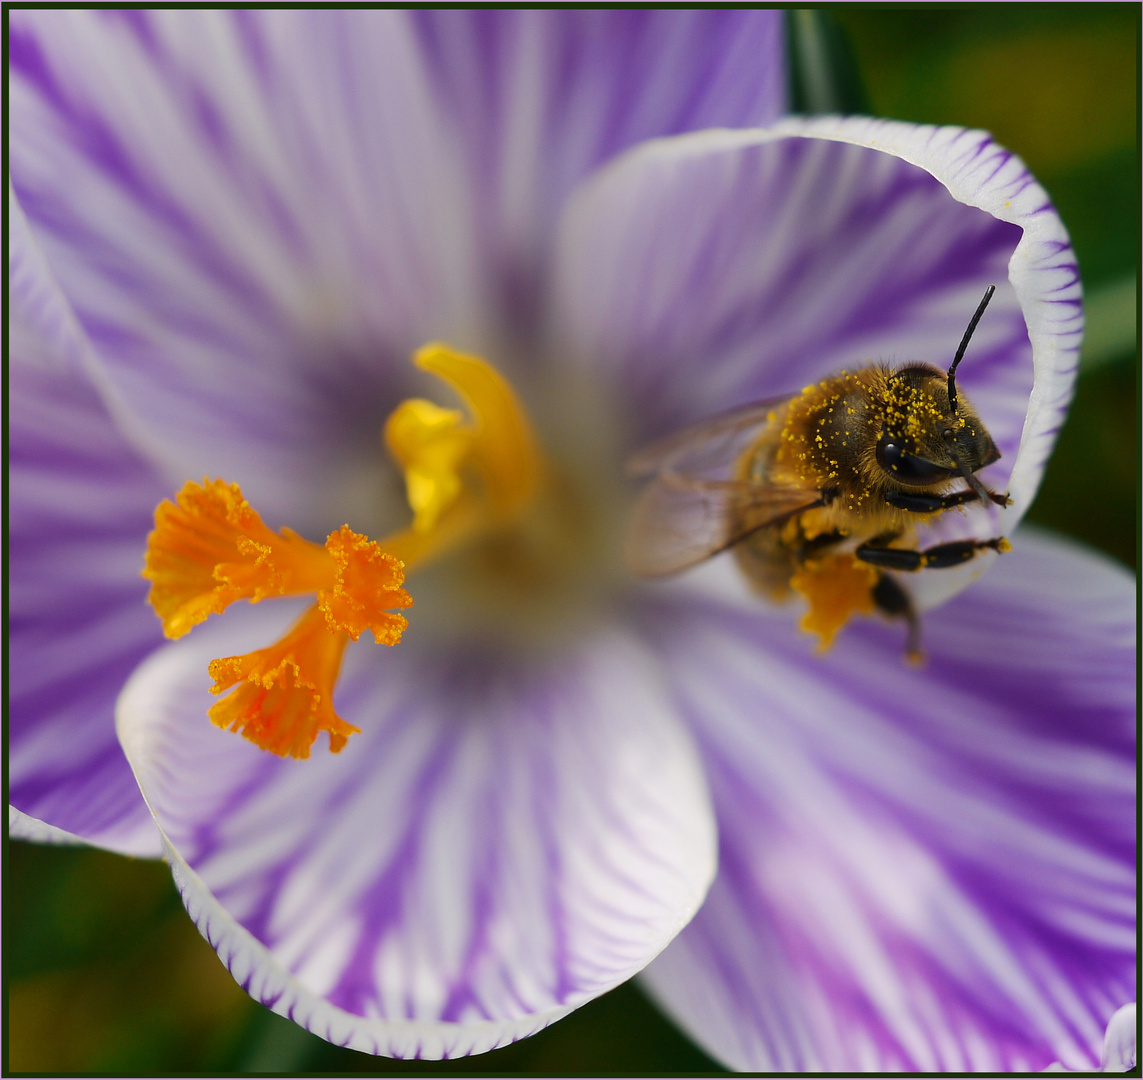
(864, 442)
(820, 493)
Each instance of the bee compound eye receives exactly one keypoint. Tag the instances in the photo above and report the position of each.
(889, 453)
(905, 467)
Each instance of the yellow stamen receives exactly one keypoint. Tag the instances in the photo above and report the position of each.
(430, 444)
(212, 548)
(460, 477)
(836, 586)
(285, 693)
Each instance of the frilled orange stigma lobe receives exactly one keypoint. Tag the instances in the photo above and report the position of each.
(368, 581)
(836, 586)
(212, 548)
(284, 694)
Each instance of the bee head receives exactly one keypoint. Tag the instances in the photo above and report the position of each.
(925, 438)
(931, 434)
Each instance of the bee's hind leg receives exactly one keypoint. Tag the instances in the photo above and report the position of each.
(893, 601)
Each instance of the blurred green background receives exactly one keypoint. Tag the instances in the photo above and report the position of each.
(106, 974)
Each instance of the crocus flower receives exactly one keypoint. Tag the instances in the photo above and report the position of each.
(229, 233)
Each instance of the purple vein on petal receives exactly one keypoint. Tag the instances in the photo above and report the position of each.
(414, 887)
(106, 151)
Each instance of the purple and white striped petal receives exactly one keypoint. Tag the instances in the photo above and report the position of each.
(919, 869)
(497, 847)
(1042, 271)
(538, 99)
(712, 269)
(256, 216)
(79, 501)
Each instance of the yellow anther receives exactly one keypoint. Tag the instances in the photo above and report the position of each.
(503, 447)
(462, 476)
(430, 444)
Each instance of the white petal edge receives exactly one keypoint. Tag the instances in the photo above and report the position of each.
(256, 970)
(1042, 270)
(261, 973)
(143, 843)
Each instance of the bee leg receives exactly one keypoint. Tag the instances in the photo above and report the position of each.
(935, 558)
(928, 504)
(893, 601)
(820, 543)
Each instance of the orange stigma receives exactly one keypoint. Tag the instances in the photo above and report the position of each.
(285, 693)
(467, 476)
(212, 548)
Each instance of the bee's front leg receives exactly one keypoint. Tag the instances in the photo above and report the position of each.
(935, 558)
(929, 504)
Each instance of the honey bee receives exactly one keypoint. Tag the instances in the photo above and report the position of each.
(819, 493)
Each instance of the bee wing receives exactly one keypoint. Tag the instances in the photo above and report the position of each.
(679, 521)
(708, 448)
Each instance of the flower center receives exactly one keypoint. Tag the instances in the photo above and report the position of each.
(515, 548)
(475, 483)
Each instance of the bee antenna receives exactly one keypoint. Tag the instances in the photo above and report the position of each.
(982, 492)
(964, 345)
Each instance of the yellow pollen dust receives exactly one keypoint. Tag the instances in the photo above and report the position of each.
(836, 587)
(910, 412)
(464, 476)
(805, 453)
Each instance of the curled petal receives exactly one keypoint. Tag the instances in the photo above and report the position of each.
(767, 260)
(1042, 269)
